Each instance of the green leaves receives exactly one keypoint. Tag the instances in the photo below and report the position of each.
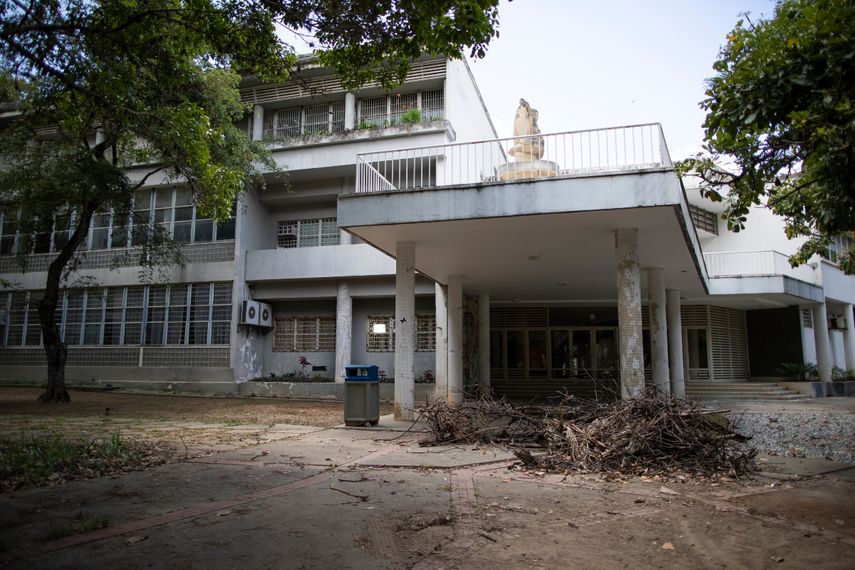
(780, 114)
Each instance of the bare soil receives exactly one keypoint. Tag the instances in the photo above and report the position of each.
(16, 401)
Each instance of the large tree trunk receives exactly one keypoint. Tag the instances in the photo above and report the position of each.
(55, 350)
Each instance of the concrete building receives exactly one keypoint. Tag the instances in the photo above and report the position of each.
(406, 235)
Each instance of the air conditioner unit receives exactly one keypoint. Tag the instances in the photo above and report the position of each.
(265, 315)
(250, 313)
(839, 323)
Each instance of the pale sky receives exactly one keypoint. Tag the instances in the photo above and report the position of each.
(587, 64)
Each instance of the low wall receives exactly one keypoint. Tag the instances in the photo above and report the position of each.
(322, 390)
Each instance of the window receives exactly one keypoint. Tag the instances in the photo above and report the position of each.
(307, 233)
(8, 231)
(304, 334)
(839, 245)
(390, 109)
(381, 333)
(704, 220)
(292, 122)
(120, 315)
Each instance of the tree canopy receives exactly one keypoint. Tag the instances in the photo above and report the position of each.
(108, 96)
(780, 124)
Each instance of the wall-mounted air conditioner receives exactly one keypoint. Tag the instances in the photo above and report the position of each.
(837, 323)
(256, 314)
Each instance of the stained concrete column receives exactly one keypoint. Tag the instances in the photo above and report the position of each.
(849, 337)
(484, 343)
(257, 123)
(823, 342)
(405, 329)
(343, 330)
(658, 330)
(455, 340)
(629, 313)
(349, 111)
(441, 375)
(675, 344)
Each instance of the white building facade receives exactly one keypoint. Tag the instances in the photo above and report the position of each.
(403, 234)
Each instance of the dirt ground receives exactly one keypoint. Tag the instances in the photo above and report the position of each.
(270, 495)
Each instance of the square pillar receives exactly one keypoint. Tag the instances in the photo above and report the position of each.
(823, 342)
(257, 123)
(441, 375)
(658, 331)
(343, 330)
(629, 313)
(405, 329)
(675, 344)
(349, 111)
(455, 340)
(484, 344)
(849, 338)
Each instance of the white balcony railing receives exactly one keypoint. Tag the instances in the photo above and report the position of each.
(598, 151)
(755, 263)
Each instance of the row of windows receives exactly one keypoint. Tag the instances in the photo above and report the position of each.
(167, 210)
(324, 118)
(307, 233)
(839, 245)
(704, 220)
(179, 314)
(317, 334)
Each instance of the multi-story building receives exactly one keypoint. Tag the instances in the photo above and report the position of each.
(403, 230)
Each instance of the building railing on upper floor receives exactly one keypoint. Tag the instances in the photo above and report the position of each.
(755, 264)
(590, 152)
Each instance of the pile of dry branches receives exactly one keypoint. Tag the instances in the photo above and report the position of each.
(643, 435)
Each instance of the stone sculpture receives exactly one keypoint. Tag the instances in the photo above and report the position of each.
(525, 123)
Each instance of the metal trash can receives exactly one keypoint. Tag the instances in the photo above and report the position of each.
(361, 395)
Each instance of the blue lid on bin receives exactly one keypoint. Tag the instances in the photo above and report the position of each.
(361, 373)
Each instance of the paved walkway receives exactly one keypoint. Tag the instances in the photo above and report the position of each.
(358, 498)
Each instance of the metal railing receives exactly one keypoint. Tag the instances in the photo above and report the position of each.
(755, 263)
(597, 151)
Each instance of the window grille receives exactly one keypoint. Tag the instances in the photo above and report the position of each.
(426, 333)
(704, 220)
(156, 315)
(381, 341)
(304, 334)
(373, 111)
(433, 106)
(244, 125)
(400, 103)
(385, 341)
(8, 231)
(134, 307)
(289, 123)
(17, 319)
(807, 319)
(388, 109)
(93, 316)
(34, 332)
(73, 317)
(221, 314)
(114, 299)
(307, 233)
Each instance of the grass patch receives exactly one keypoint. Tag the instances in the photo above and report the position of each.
(37, 460)
(80, 525)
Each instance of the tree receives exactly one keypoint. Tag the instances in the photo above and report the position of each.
(112, 93)
(780, 124)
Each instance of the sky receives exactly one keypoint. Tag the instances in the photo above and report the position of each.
(588, 64)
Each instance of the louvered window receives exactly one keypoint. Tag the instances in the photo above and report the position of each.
(729, 344)
(304, 334)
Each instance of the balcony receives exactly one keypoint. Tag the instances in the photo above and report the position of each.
(755, 264)
(323, 262)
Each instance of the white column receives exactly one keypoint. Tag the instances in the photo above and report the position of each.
(257, 123)
(405, 329)
(823, 342)
(344, 238)
(484, 343)
(658, 330)
(849, 337)
(455, 340)
(343, 330)
(675, 344)
(441, 375)
(629, 313)
(349, 111)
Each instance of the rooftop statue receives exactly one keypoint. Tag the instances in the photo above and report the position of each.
(525, 123)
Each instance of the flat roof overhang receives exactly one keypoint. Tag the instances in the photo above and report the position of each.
(760, 292)
(544, 240)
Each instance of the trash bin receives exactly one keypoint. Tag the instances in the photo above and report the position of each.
(361, 395)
